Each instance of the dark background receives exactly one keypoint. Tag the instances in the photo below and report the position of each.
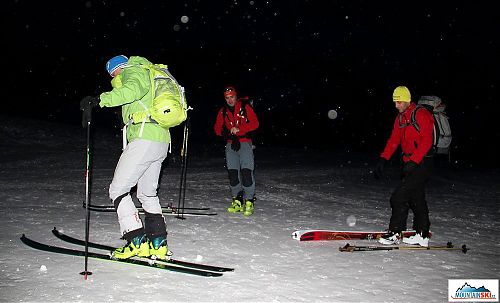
(295, 59)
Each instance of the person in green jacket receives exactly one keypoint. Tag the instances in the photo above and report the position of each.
(145, 148)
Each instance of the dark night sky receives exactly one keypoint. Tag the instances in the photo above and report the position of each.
(296, 59)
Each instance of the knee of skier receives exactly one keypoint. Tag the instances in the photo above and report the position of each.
(399, 198)
(246, 177)
(115, 191)
(233, 177)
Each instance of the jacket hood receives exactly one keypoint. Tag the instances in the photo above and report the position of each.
(137, 60)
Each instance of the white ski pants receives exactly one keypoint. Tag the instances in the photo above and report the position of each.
(139, 164)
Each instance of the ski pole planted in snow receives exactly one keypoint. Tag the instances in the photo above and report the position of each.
(86, 273)
(184, 159)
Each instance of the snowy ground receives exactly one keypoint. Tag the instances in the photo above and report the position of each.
(42, 181)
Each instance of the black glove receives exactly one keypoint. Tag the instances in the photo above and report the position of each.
(379, 169)
(235, 143)
(86, 105)
(408, 167)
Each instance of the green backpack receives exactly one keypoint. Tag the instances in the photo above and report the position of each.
(169, 107)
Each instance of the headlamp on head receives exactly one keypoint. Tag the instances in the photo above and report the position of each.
(229, 91)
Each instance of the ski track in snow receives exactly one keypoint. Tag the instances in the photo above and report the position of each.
(43, 186)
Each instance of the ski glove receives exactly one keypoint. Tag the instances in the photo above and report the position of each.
(86, 105)
(408, 167)
(379, 168)
(235, 143)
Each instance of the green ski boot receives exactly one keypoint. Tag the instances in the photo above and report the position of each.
(248, 208)
(138, 246)
(158, 248)
(236, 205)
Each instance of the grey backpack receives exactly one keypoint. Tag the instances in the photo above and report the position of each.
(442, 133)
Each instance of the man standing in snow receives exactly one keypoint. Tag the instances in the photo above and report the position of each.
(235, 122)
(416, 141)
(140, 162)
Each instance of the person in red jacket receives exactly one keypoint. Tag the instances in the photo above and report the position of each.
(235, 122)
(415, 139)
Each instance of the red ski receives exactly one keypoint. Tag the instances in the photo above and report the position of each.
(329, 235)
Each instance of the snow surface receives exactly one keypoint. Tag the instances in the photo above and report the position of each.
(42, 182)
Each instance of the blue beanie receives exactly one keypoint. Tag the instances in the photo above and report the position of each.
(116, 62)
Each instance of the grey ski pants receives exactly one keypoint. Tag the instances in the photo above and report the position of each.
(240, 166)
(139, 164)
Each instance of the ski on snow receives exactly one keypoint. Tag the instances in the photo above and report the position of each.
(133, 261)
(110, 249)
(168, 207)
(448, 246)
(165, 211)
(330, 235)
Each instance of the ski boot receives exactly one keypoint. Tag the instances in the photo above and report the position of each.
(391, 238)
(248, 207)
(237, 205)
(158, 248)
(417, 239)
(138, 246)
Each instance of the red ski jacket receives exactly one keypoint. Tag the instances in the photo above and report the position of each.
(414, 144)
(243, 118)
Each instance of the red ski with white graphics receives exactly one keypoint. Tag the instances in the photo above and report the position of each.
(330, 235)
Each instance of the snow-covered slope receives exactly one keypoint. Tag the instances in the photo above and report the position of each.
(42, 181)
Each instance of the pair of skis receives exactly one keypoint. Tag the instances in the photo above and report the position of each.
(170, 265)
(333, 235)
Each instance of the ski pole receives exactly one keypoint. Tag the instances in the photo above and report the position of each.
(449, 246)
(182, 186)
(86, 273)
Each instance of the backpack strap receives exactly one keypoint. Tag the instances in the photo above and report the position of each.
(436, 131)
(243, 110)
(143, 121)
(413, 117)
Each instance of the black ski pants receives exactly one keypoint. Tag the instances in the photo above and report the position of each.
(410, 194)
